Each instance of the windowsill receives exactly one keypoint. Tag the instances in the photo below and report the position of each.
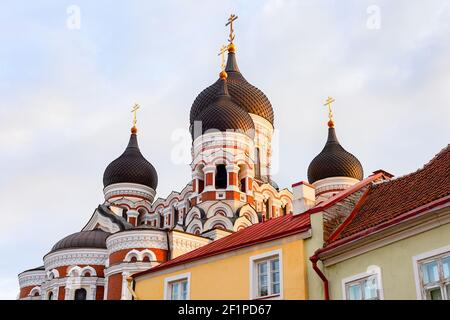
(271, 297)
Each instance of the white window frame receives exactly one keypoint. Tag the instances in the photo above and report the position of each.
(371, 271)
(179, 277)
(253, 272)
(419, 259)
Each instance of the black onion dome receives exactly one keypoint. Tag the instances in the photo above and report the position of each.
(131, 167)
(83, 239)
(246, 96)
(223, 114)
(334, 161)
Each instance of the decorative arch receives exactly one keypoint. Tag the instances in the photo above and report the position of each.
(219, 219)
(195, 212)
(249, 213)
(195, 226)
(220, 206)
(88, 270)
(241, 223)
(133, 253)
(53, 274)
(36, 291)
(74, 271)
(148, 253)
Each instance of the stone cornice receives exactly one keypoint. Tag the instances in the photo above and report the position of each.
(75, 257)
(137, 239)
(31, 278)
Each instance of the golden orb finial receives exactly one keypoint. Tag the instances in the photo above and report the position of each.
(223, 75)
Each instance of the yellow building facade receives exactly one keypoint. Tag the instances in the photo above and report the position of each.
(268, 269)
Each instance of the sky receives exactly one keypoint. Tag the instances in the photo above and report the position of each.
(71, 70)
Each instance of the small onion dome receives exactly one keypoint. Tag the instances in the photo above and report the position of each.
(223, 114)
(246, 96)
(83, 239)
(334, 161)
(131, 167)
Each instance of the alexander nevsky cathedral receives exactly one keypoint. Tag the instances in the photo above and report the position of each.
(132, 230)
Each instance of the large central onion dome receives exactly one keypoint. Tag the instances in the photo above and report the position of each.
(131, 167)
(334, 161)
(83, 239)
(223, 114)
(246, 96)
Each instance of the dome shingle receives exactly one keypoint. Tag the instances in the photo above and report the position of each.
(334, 161)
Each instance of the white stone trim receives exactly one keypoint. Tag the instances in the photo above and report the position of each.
(71, 257)
(178, 277)
(253, 273)
(31, 278)
(129, 267)
(130, 189)
(371, 271)
(137, 239)
(106, 224)
(225, 221)
(140, 255)
(220, 206)
(334, 183)
(417, 258)
(34, 290)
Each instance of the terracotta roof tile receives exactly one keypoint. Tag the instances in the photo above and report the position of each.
(389, 200)
(257, 233)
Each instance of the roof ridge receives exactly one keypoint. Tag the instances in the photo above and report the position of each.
(425, 166)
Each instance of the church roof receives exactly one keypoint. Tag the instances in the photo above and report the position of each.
(83, 239)
(245, 95)
(257, 233)
(396, 200)
(131, 167)
(334, 161)
(223, 114)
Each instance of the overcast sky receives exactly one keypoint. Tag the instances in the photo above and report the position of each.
(66, 94)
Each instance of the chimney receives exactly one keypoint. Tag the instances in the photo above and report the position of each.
(304, 197)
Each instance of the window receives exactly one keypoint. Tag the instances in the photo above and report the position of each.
(364, 289)
(257, 163)
(221, 176)
(364, 286)
(266, 275)
(434, 277)
(80, 294)
(50, 295)
(269, 277)
(178, 290)
(177, 287)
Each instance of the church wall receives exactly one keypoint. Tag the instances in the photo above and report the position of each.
(61, 293)
(115, 286)
(99, 293)
(25, 291)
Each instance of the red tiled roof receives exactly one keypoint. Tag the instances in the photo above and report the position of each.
(345, 193)
(390, 201)
(261, 232)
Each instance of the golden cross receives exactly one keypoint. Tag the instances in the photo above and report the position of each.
(134, 111)
(328, 103)
(223, 49)
(230, 23)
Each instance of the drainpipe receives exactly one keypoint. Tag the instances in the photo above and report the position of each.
(319, 272)
(130, 286)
